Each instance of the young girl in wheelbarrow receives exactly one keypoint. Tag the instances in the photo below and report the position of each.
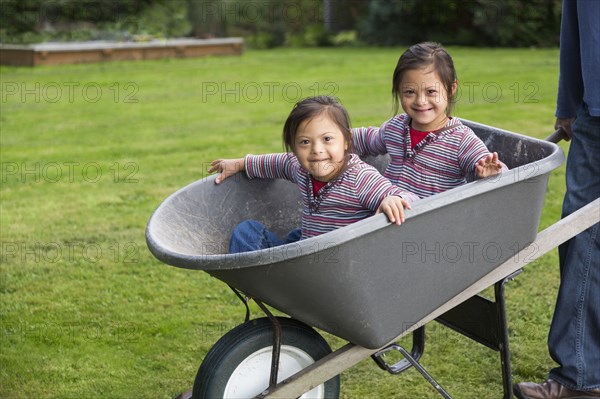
(337, 187)
(430, 151)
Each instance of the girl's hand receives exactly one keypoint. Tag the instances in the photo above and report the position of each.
(488, 166)
(393, 206)
(226, 168)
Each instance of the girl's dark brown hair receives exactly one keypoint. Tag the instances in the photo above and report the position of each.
(311, 107)
(420, 56)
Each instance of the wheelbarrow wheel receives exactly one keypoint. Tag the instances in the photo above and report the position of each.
(239, 364)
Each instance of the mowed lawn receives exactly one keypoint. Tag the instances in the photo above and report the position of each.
(89, 151)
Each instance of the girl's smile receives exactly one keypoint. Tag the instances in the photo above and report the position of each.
(424, 99)
(320, 147)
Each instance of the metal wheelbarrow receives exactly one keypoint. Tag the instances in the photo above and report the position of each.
(371, 282)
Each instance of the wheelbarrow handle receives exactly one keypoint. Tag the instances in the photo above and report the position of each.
(558, 135)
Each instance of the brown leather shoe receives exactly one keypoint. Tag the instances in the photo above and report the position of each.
(551, 390)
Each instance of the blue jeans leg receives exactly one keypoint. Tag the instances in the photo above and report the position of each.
(251, 235)
(574, 338)
(293, 236)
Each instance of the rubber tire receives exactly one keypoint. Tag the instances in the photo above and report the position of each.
(246, 339)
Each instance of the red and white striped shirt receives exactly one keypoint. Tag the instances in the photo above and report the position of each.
(439, 162)
(354, 195)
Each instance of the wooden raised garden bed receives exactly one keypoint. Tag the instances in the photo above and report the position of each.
(102, 51)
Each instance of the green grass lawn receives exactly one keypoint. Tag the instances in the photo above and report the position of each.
(89, 151)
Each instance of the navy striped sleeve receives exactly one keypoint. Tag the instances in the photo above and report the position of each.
(272, 166)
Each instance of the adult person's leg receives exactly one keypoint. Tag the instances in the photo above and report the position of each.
(574, 338)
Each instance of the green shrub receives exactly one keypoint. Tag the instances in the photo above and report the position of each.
(295, 23)
(515, 23)
(261, 40)
(348, 38)
(518, 23)
(312, 36)
(34, 21)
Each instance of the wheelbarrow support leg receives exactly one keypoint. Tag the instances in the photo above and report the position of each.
(244, 300)
(503, 345)
(424, 373)
(277, 337)
(404, 364)
(491, 328)
(276, 345)
(418, 347)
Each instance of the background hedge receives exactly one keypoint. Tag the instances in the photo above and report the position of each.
(306, 23)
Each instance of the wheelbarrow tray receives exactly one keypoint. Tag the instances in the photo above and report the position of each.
(370, 281)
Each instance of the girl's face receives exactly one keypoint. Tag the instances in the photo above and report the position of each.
(424, 98)
(320, 147)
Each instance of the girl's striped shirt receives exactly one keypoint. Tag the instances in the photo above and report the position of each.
(354, 195)
(441, 161)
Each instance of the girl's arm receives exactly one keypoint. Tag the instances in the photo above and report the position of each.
(369, 140)
(475, 159)
(268, 166)
(272, 166)
(378, 194)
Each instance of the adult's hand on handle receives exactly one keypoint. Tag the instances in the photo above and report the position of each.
(566, 125)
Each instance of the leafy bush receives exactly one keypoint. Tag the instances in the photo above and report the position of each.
(295, 23)
(31, 21)
(312, 36)
(261, 40)
(348, 38)
(474, 22)
(518, 23)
